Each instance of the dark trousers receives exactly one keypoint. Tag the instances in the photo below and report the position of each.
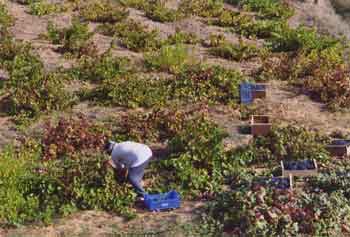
(135, 175)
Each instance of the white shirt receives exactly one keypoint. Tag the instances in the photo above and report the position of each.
(130, 154)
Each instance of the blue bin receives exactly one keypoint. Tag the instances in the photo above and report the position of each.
(341, 142)
(164, 201)
(246, 93)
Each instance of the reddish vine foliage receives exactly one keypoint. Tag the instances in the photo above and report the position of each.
(324, 78)
(70, 136)
(158, 125)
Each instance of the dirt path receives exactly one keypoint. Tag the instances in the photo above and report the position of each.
(284, 105)
(321, 15)
(27, 27)
(96, 224)
(7, 132)
(290, 107)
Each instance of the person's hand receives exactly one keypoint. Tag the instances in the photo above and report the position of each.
(123, 173)
(109, 163)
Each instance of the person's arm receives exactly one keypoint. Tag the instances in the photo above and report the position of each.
(119, 168)
(115, 162)
(111, 163)
(116, 158)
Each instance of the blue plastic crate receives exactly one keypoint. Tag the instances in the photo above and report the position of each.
(157, 202)
(341, 142)
(246, 93)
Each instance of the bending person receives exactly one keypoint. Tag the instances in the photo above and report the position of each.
(131, 157)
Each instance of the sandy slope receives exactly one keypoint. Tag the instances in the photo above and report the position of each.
(323, 15)
(285, 105)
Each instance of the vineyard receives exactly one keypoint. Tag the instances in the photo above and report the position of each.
(169, 73)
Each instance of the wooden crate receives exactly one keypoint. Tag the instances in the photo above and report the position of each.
(339, 147)
(291, 181)
(259, 91)
(300, 173)
(260, 125)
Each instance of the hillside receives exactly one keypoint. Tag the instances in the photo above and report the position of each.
(167, 73)
(329, 16)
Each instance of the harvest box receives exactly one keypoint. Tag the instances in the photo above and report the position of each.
(260, 124)
(259, 91)
(250, 91)
(165, 201)
(246, 93)
(339, 147)
(301, 168)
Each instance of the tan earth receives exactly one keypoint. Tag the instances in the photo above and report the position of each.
(283, 104)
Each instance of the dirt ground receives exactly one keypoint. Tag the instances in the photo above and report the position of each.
(283, 104)
(322, 15)
(94, 223)
(286, 105)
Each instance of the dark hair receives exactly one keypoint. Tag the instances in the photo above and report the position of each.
(106, 147)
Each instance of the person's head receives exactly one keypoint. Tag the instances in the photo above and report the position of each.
(108, 148)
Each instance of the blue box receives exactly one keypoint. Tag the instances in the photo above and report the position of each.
(246, 93)
(340, 142)
(164, 201)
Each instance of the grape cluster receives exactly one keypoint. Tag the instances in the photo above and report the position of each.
(299, 165)
(280, 182)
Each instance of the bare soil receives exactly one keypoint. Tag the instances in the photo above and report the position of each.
(94, 223)
(283, 104)
(289, 106)
(322, 15)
